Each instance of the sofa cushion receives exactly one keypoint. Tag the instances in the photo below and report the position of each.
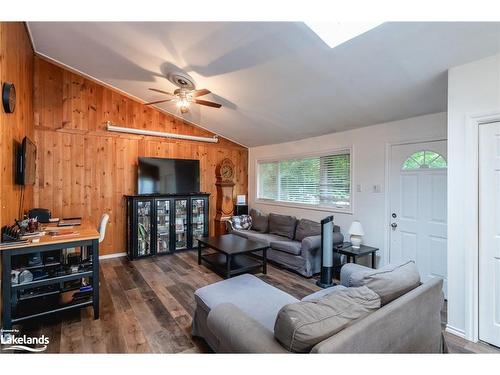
(389, 282)
(253, 296)
(307, 228)
(291, 247)
(300, 326)
(322, 292)
(251, 234)
(260, 222)
(240, 232)
(241, 222)
(282, 225)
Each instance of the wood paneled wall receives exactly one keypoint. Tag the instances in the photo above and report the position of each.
(84, 170)
(16, 66)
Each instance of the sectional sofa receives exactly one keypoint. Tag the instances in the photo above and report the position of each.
(374, 311)
(293, 244)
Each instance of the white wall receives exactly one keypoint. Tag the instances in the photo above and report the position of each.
(369, 149)
(473, 88)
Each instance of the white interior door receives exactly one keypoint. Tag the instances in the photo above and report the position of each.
(418, 220)
(489, 233)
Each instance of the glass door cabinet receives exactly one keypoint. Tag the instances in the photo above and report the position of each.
(143, 229)
(198, 223)
(163, 224)
(181, 221)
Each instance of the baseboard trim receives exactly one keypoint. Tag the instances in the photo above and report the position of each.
(110, 256)
(455, 331)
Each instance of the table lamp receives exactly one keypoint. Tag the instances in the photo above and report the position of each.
(326, 277)
(357, 233)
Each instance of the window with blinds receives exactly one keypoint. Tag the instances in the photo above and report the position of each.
(321, 180)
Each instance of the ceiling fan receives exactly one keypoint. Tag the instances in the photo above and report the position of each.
(184, 97)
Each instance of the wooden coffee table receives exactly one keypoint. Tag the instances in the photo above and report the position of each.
(232, 254)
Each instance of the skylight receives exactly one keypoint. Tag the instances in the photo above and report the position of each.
(336, 33)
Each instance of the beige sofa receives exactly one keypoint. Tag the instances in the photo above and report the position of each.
(239, 315)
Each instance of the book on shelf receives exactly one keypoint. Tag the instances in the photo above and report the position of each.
(63, 233)
(71, 221)
(28, 235)
(7, 245)
(49, 228)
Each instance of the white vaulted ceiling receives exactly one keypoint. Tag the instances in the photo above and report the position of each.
(276, 81)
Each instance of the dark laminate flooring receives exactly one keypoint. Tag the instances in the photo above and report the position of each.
(147, 306)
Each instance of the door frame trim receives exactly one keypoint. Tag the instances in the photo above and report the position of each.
(387, 195)
(471, 220)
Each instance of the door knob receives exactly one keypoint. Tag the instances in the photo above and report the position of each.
(394, 225)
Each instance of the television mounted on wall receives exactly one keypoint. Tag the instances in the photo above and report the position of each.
(168, 176)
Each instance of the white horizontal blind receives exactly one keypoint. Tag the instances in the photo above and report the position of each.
(268, 180)
(335, 185)
(299, 181)
(324, 180)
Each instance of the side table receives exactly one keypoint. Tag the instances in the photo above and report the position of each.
(353, 254)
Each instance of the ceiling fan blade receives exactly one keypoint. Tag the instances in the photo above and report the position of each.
(159, 101)
(207, 103)
(201, 92)
(162, 92)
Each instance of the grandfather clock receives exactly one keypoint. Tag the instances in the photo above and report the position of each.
(224, 203)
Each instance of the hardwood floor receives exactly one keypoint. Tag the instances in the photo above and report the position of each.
(147, 306)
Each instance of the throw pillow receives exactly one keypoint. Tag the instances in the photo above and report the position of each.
(241, 222)
(260, 221)
(282, 225)
(307, 228)
(389, 282)
(299, 326)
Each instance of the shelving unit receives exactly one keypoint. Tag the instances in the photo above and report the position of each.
(52, 280)
(28, 300)
(164, 224)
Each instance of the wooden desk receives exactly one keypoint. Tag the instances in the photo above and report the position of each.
(87, 238)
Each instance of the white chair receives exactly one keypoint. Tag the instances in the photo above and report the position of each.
(102, 227)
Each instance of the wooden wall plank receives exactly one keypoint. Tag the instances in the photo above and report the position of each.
(85, 170)
(16, 66)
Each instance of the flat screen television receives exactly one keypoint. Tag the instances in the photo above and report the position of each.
(168, 176)
(26, 163)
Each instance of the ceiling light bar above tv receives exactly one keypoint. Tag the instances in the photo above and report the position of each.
(113, 128)
(336, 33)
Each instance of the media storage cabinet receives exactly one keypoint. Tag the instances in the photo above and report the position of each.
(162, 224)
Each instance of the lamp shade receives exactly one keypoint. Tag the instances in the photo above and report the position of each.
(356, 229)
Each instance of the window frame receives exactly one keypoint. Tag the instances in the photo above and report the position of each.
(316, 207)
(403, 169)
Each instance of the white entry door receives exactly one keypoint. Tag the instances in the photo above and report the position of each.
(418, 216)
(489, 233)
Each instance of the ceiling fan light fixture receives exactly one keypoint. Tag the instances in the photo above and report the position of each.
(183, 98)
(183, 103)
